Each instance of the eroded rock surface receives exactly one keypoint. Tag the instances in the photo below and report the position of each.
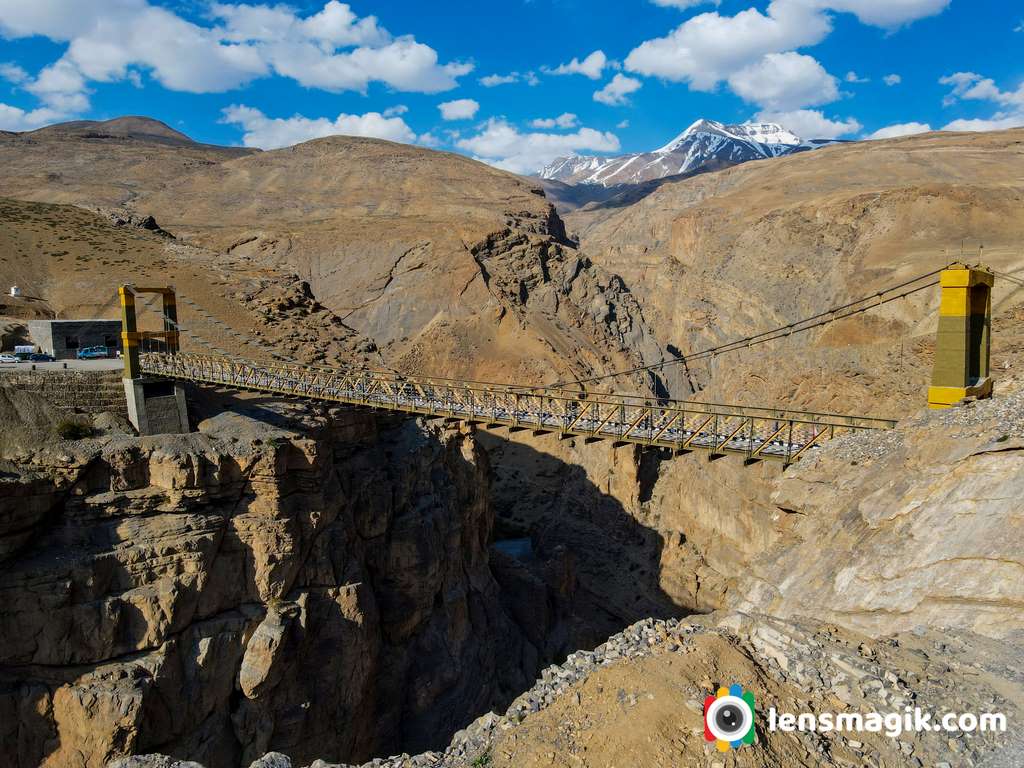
(323, 591)
(637, 699)
(923, 526)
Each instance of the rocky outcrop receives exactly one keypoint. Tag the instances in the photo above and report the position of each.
(122, 217)
(294, 325)
(637, 699)
(920, 527)
(322, 591)
(589, 321)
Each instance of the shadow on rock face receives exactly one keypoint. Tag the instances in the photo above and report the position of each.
(588, 546)
(322, 584)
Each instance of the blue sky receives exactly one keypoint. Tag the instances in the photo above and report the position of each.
(515, 83)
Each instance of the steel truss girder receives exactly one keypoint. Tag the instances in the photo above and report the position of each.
(754, 432)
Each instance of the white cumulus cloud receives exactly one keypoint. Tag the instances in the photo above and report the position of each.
(893, 79)
(61, 87)
(709, 48)
(336, 24)
(109, 40)
(706, 49)
(900, 129)
(975, 87)
(566, 120)
(501, 144)
(811, 123)
(616, 92)
(684, 4)
(969, 85)
(887, 13)
(16, 119)
(460, 109)
(1000, 122)
(274, 132)
(12, 73)
(785, 81)
(490, 81)
(591, 67)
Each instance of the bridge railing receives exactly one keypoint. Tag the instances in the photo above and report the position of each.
(758, 433)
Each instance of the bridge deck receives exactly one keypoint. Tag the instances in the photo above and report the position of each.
(756, 433)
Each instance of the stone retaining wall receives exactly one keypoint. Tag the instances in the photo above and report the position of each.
(81, 391)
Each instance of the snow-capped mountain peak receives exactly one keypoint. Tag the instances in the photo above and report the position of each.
(758, 133)
(704, 145)
(673, 145)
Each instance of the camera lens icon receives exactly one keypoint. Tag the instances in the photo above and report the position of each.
(729, 718)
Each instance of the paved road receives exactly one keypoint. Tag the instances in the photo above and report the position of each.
(72, 365)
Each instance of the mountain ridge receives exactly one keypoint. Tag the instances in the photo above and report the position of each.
(137, 127)
(704, 145)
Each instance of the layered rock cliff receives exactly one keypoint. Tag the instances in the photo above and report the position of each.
(883, 531)
(881, 574)
(322, 590)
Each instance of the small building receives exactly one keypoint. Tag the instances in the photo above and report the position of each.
(63, 338)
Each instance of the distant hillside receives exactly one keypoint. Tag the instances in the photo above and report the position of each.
(721, 255)
(100, 163)
(139, 128)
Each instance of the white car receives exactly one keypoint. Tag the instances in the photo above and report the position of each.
(7, 358)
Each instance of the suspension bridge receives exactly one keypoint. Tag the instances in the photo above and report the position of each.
(570, 409)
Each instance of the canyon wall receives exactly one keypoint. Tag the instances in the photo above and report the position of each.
(879, 531)
(895, 531)
(323, 591)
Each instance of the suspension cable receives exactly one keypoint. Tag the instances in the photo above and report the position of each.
(820, 319)
(1011, 278)
(814, 321)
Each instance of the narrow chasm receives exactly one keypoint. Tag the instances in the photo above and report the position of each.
(324, 583)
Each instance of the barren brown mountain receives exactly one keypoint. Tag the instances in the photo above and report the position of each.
(449, 266)
(723, 255)
(100, 163)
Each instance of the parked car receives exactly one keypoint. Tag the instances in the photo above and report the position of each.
(41, 357)
(7, 357)
(93, 353)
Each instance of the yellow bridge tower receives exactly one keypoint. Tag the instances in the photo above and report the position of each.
(963, 342)
(155, 405)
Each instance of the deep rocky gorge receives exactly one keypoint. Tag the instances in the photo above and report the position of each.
(328, 589)
(322, 589)
(327, 584)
